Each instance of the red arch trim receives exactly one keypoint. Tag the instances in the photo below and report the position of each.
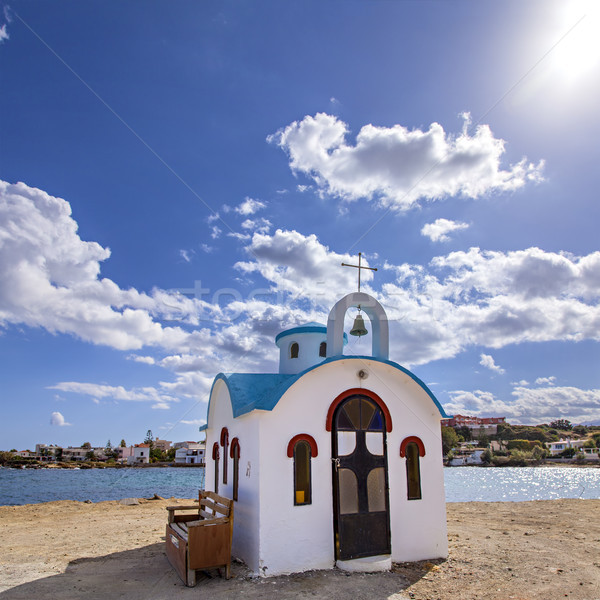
(224, 436)
(215, 452)
(360, 392)
(412, 439)
(235, 443)
(303, 437)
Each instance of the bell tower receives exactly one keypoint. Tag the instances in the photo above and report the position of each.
(379, 324)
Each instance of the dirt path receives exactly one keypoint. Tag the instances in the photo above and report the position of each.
(542, 550)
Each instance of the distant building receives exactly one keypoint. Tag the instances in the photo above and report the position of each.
(71, 453)
(489, 425)
(163, 445)
(191, 454)
(141, 455)
(557, 447)
(124, 453)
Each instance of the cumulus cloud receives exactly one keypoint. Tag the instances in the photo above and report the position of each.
(397, 166)
(530, 406)
(545, 380)
(438, 230)
(3, 33)
(57, 419)
(249, 206)
(50, 278)
(302, 266)
(487, 361)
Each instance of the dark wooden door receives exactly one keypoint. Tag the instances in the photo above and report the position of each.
(360, 482)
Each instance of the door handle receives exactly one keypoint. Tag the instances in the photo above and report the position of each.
(336, 463)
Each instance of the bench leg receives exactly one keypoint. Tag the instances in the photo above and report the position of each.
(191, 578)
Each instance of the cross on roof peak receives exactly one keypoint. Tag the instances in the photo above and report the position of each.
(359, 267)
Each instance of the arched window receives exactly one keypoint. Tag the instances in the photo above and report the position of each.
(224, 443)
(235, 454)
(412, 448)
(215, 455)
(294, 350)
(302, 448)
(323, 349)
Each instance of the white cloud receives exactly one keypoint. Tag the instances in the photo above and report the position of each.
(249, 206)
(206, 248)
(215, 232)
(397, 166)
(438, 230)
(147, 360)
(186, 255)
(530, 406)
(243, 237)
(57, 419)
(3, 33)
(50, 278)
(193, 421)
(261, 225)
(545, 380)
(488, 362)
(117, 393)
(302, 266)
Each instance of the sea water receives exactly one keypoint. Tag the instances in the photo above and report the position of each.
(28, 486)
(463, 484)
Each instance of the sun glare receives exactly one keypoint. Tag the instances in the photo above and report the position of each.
(577, 50)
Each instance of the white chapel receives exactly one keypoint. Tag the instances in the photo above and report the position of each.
(335, 460)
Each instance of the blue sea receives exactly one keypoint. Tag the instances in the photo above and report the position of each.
(463, 484)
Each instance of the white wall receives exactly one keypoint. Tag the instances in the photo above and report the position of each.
(246, 509)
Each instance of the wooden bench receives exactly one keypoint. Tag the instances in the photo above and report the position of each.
(200, 539)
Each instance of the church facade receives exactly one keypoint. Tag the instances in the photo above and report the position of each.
(335, 460)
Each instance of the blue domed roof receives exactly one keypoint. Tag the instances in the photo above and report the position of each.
(312, 327)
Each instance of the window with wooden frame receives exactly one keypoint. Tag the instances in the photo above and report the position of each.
(323, 349)
(302, 448)
(412, 448)
(294, 350)
(224, 443)
(235, 455)
(215, 456)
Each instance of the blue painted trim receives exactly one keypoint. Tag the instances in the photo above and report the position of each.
(309, 328)
(203, 427)
(305, 329)
(262, 391)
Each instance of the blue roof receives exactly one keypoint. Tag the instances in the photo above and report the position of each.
(262, 391)
(312, 327)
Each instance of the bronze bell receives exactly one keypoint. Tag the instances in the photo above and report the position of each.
(359, 326)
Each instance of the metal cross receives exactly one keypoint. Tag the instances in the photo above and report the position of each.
(359, 267)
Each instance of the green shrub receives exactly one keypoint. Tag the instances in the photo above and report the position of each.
(523, 444)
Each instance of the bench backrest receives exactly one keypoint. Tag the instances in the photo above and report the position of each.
(213, 506)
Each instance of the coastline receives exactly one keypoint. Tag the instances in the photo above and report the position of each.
(538, 550)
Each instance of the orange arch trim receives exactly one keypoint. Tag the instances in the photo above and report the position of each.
(303, 437)
(359, 392)
(412, 439)
(215, 452)
(235, 443)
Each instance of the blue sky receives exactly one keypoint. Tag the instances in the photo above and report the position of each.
(181, 181)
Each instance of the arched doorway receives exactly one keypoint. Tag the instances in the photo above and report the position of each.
(360, 479)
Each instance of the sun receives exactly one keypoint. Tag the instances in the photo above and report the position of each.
(576, 51)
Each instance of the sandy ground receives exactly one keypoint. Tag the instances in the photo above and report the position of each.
(498, 551)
